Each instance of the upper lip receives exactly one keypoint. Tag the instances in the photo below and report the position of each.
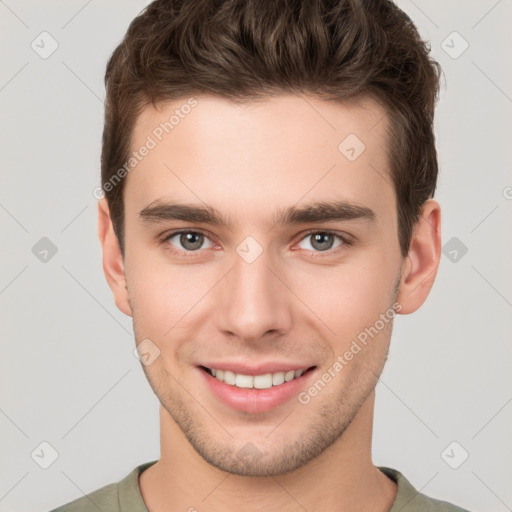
(256, 369)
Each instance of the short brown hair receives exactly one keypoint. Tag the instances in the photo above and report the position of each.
(246, 49)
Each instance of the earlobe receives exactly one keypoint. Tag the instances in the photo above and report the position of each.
(421, 264)
(113, 264)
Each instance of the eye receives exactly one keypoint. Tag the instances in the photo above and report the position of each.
(188, 241)
(322, 241)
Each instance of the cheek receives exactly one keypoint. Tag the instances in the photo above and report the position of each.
(165, 297)
(347, 298)
(340, 300)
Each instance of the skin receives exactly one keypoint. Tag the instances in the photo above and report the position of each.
(295, 302)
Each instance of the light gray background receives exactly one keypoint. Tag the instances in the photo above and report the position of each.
(68, 373)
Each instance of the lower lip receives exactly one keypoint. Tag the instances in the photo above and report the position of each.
(256, 400)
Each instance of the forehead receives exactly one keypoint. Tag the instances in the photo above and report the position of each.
(242, 157)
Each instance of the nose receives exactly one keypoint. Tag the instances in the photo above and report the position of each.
(253, 301)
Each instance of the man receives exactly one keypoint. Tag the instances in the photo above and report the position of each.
(268, 170)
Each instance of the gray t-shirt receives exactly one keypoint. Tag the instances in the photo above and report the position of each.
(125, 496)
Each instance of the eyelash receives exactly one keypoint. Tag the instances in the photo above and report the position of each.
(190, 254)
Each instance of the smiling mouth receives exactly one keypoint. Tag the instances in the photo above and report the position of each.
(264, 381)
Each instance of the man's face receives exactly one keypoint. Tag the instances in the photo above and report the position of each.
(267, 293)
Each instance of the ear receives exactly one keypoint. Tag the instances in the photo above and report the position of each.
(420, 266)
(113, 264)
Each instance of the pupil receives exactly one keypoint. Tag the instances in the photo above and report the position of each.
(187, 240)
(320, 238)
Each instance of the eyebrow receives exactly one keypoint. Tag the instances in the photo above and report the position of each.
(161, 211)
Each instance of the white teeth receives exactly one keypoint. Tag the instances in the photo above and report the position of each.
(277, 378)
(229, 378)
(257, 381)
(263, 381)
(243, 381)
(289, 376)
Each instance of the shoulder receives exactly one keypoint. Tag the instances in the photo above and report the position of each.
(409, 499)
(122, 496)
(105, 498)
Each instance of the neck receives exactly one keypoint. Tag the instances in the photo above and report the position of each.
(341, 478)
